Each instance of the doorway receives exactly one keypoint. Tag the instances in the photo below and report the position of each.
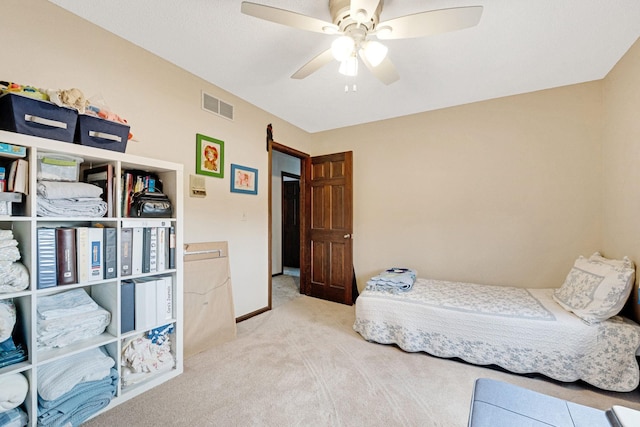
(290, 222)
(286, 218)
(325, 224)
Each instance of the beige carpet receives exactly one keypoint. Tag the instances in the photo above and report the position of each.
(284, 288)
(301, 364)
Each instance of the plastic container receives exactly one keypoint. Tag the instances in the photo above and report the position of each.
(58, 167)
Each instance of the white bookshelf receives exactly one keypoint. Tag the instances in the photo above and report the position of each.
(107, 292)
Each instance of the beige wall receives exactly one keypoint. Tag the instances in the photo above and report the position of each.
(505, 192)
(621, 158)
(46, 46)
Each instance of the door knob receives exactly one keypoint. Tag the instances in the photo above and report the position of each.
(347, 236)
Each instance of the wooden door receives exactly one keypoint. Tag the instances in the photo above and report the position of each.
(329, 237)
(290, 222)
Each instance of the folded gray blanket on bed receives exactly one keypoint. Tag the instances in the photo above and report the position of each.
(393, 279)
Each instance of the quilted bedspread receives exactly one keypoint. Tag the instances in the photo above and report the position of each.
(521, 330)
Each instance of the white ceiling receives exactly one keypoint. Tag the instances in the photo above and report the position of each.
(519, 46)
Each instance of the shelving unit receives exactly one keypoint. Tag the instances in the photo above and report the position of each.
(107, 293)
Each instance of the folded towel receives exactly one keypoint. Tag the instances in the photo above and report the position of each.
(67, 190)
(68, 303)
(13, 391)
(7, 243)
(81, 390)
(15, 417)
(7, 318)
(66, 331)
(9, 253)
(10, 353)
(60, 376)
(6, 234)
(68, 317)
(72, 207)
(79, 404)
(13, 277)
(393, 279)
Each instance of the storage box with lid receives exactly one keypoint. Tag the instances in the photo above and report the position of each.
(96, 132)
(36, 117)
(58, 167)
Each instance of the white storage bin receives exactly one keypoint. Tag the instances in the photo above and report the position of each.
(58, 167)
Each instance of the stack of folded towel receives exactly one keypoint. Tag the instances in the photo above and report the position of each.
(13, 275)
(15, 417)
(13, 392)
(9, 352)
(70, 199)
(393, 279)
(68, 317)
(72, 389)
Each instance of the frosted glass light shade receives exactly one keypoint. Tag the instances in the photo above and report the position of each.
(349, 67)
(342, 48)
(375, 52)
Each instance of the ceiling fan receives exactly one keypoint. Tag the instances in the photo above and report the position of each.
(357, 22)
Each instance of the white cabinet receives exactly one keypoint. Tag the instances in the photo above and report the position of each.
(107, 293)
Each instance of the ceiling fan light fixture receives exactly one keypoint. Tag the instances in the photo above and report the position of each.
(342, 48)
(375, 52)
(349, 67)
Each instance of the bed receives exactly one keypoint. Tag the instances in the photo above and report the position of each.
(569, 333)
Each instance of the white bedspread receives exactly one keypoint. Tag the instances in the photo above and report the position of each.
(521, 330)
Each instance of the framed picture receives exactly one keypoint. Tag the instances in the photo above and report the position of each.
(209, 156)
(244, 179)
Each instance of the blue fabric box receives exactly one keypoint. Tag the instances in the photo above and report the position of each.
(96, 132)
(498, 404)
(36, 117)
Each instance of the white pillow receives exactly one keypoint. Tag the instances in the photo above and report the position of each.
(596, 288)
(624, 262)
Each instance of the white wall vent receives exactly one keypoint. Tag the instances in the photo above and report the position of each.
(217, 106)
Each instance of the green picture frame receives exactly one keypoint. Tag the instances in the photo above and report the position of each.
(209, 156)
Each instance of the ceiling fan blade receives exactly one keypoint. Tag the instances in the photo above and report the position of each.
(369, 6)
(385, 71)
(430, 22)
(314, 65)
(285, 17)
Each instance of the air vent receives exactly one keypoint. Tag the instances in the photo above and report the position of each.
(217, 106)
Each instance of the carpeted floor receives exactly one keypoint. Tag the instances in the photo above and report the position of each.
(301, 364)
(284, 288)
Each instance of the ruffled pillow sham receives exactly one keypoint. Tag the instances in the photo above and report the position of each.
(596, 288)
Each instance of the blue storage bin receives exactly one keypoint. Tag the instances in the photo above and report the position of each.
(96, 132)
(36, 117)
